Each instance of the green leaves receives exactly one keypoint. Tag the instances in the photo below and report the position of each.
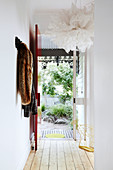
(58, 80)
(63, 76)
(48, 89)
(61, 110)
(43, 107)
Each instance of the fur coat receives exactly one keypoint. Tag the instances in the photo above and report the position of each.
(24, 72)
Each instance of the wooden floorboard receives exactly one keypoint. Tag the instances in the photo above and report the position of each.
(45, 156)
(85, 160)
(76, 157)
(29, 161)
(53, 156)
(90, 156)
(38, 156)
(68, 157)
(59, 155)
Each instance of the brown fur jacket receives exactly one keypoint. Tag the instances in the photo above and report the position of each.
(24, 73)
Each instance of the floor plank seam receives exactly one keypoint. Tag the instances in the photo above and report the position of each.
(32, 160)
(64, 156)
(89, 159)
(49, 155)
(72, 155)
(57, 155)
(81, 159)
(41, 155)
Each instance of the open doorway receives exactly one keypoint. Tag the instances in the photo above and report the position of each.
(65, 86)
(55, 75)
(62, 87)
(71, 29)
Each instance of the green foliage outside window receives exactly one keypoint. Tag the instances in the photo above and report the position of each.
(55, 77)
(43, 108)
(60, 110)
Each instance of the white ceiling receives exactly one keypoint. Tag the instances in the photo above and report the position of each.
(45, 5)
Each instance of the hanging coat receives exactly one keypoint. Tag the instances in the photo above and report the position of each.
(32, 107)
(24, 72)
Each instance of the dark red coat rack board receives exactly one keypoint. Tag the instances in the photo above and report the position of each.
(37, 53)
(36, 83)
(32, 44)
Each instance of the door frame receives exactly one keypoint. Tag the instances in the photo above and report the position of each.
(78, 101)
(74, 95)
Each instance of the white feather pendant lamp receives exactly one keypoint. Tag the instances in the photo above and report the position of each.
(72, 28)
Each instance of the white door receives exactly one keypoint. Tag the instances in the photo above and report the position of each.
(79, 92)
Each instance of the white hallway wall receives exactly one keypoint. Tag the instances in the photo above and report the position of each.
(14, 128)
(103, 85)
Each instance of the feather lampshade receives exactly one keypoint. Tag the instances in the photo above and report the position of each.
(72, 28)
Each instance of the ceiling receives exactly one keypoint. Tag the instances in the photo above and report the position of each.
(45, 5)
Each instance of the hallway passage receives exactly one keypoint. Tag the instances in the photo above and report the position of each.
(59, 155)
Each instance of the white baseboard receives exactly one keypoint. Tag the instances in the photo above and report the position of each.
(24, 157)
